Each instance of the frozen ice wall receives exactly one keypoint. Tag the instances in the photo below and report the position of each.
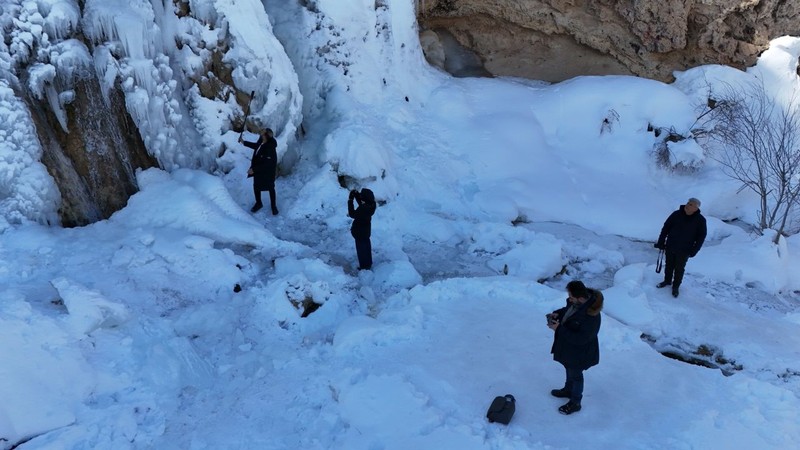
(360, 50)
(27, 192)
(34, 48)
(185, 72)
(39, 44)
(349, 56)
(129, 54)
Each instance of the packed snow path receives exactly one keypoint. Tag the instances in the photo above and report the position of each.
(421, 375)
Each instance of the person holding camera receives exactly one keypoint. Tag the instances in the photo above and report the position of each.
(361, 229)
(681, 238)
(263, 166)
(575, 343)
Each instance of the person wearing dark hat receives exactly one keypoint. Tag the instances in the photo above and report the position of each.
(263, 166)
(361, 228)
(681, 238)
(575, 343)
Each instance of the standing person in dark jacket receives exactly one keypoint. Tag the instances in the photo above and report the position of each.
(681, 237)
(575, 343)
(362, 225)
(262, 168)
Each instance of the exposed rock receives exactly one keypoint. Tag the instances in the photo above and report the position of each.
(555, 40)
(443, 50)
(94, 164)
(108, 97)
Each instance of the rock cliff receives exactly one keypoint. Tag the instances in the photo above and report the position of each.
(554, 40)
(112, 87)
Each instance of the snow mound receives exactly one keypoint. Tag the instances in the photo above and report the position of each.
(88, 309)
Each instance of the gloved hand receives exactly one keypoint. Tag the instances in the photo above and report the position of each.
(659, 246)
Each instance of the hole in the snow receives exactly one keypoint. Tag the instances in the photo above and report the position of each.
(308, 306)
(702, 355)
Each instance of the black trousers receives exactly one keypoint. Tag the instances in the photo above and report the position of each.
(364, 252)
(574, 384)
(674, 267)
(272, 201)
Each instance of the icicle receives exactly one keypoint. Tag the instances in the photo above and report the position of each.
(71, 58)
(143, 71)
(137, 103)
(39, 75)
(55, 105)
(131, 32)
(62, 18)
(107, 70)
(165, 20)
(120, 21)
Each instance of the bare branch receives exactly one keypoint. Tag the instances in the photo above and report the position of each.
(758, 145)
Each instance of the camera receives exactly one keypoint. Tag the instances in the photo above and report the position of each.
(354, 194)
(551, 318)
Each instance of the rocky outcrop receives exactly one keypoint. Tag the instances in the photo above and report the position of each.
(116, 86)
(554, 40)
(94, 163)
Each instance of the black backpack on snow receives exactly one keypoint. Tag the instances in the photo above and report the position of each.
(502, 409)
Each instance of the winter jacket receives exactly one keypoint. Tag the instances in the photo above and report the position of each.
(575, 343)
(683, 234)
(264, 163)
(362, 216)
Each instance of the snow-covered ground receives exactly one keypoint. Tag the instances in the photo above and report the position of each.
(177, 323)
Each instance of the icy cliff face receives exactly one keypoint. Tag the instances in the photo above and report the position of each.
(27, 193)
(184, 70)
(349, 56)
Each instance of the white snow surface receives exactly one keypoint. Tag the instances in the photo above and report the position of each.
(185, 322)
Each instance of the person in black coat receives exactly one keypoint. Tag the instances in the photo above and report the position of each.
(362, 225)
(263, 166)
(681, 238)
(575, 343)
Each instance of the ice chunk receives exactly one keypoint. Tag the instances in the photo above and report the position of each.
(88, 309)
(40, 75)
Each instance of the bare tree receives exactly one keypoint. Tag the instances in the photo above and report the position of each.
(759, 141)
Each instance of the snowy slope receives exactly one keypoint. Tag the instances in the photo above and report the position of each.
(177, 323)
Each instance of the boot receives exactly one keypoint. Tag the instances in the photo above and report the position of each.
(256, 207)
(675, 291)
(560, 393)
(569, 408)
(663, 284)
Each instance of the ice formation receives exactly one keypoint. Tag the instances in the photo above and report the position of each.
(181, 71)
(27, 192)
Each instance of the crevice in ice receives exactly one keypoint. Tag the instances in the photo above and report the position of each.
(703, 355)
